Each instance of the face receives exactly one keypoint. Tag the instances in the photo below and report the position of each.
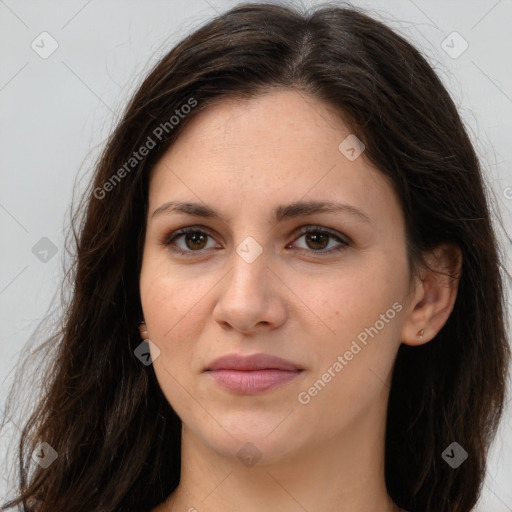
(323, 289)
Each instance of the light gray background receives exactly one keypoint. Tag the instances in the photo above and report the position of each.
(56, 112)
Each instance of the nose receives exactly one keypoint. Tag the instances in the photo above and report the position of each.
(251, 297)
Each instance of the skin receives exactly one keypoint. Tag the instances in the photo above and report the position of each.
(244, 158)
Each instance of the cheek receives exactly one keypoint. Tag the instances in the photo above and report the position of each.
(348, 302)
(168, 306)
(169, 296)
(171, 307)
(177, 306)
(354, 364)
(362, 310)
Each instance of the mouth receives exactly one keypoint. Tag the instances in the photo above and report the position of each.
(252, 374)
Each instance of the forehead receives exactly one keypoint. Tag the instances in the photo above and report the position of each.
(280, 145)
(274, 122)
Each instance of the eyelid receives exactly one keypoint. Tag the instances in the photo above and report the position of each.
(167, 240)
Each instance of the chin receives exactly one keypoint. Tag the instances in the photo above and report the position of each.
(248, 443)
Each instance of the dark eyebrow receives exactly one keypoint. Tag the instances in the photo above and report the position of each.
(295, 209)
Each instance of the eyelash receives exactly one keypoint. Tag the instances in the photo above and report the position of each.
(167, 240)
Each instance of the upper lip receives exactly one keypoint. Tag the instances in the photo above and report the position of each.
(252, 362)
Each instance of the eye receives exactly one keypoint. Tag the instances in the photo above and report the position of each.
(317, 238)
(194, 240)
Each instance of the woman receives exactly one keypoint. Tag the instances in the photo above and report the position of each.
(287, 292)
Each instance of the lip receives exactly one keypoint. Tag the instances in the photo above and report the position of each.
(252, 362)
(252, 374)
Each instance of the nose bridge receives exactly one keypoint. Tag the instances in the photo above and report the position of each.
(247, 297)
(249, 265)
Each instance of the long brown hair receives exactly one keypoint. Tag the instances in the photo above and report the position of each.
(102, 410)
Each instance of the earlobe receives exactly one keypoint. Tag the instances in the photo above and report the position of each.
(435, 295)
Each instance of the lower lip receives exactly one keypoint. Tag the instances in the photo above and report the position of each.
(254, 381)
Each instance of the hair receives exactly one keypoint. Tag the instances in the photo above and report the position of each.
(118, 439)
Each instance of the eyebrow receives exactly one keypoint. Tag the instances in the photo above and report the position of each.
(288, 211)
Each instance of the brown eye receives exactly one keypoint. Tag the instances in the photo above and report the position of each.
(195, 241)
(317, 239)
(191, 240)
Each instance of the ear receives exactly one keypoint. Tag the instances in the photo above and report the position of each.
(434, 295)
